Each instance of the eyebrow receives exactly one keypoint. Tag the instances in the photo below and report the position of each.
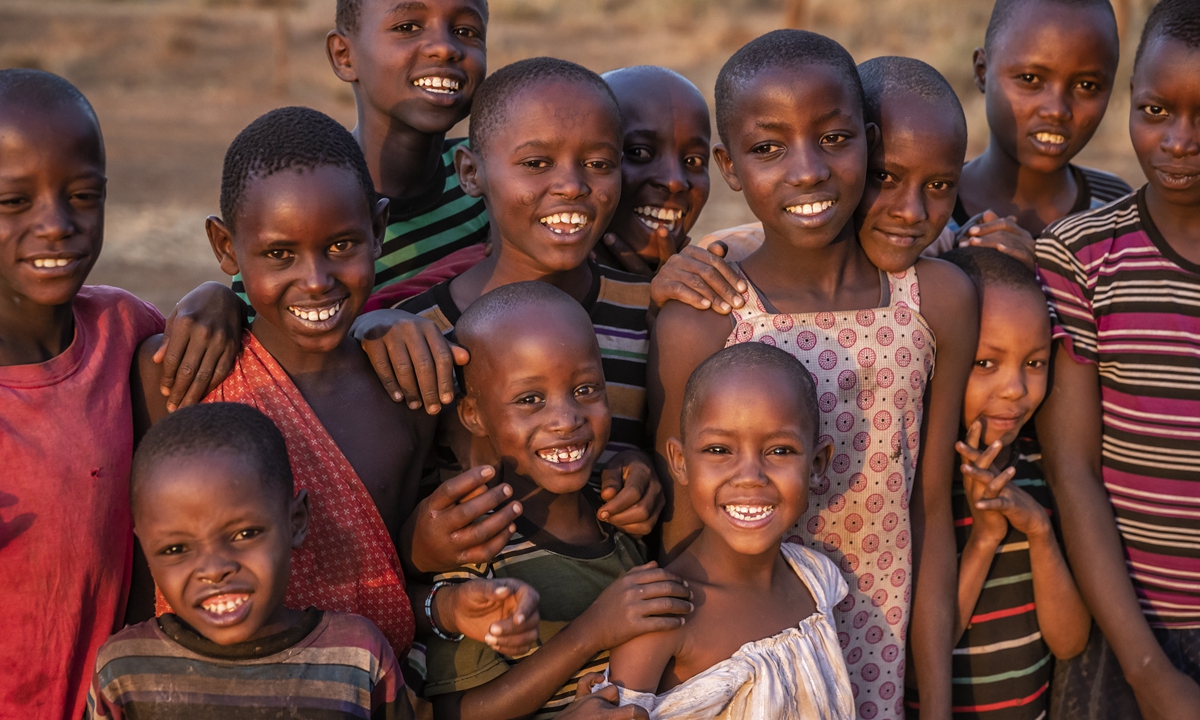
(543, 144)
(407, 5)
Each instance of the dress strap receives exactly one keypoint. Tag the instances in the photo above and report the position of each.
(905, 290)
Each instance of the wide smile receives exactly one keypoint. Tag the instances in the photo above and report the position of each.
(566, 458)
(658, 217)
(1049, 142)
(812, 214)
(225, 609)
(1176, 178)
(567, 223)
(54, 265)
(749, 516)
(321, 317)
(438, 84)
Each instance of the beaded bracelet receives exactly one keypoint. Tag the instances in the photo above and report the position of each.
(429, 612)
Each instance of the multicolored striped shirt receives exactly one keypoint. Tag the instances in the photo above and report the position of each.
(568, 579)
(617, 303)
(329, 666)
(1001, 667)
(1122, 298)
(427, 229)
(1096, 189)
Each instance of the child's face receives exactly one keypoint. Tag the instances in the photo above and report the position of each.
(748, 459)
(219, 539)
(912, 182)
(1012, 363)
(664, 169)
(798, 151)
(420, 62)
(550, 175)
(537, 391)
(1164, 120)
(305, 243)
(52, 188)
(1048, 79)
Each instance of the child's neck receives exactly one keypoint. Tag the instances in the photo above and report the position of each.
(402, 160)
(1179, 225)
(31, 333)
(302, 365)
(996, 181)
(723, 566)
(506, 266)
(568, 517)
(838, 276)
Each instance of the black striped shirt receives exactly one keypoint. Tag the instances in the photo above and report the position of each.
(1096, 188)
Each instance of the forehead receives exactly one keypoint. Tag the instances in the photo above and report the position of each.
(61, 133)
(758, 393)
(1055, 35)
(918, 133)
(1017, 309)
(799, 96)
(652, 99)
(443, 8)
(559, 111)
(206, 487)
(1168, 67)
(530, 340)
(311, 198)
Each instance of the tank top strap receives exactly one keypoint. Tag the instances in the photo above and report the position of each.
(754, 305)
(905, 290)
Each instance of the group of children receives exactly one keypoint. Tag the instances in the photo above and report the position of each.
(895, 457)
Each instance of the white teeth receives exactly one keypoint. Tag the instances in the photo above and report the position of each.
(1050, 138)
(579, 221)
(749, 513)
(223, 606)
(656, 217)
(570, 453)
(440, 85)
(811, 208)
(316, 315)
(51, 262)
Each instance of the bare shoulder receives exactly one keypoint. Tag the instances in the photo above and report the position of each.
(948, 296)
(679, 322)
(640, 663)
(148, 375)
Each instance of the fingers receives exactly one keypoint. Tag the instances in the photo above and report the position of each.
(584, 688)
(189, 365)
(444, 362)
(458, 487)
(394, 369)
(999, 482)
(630, 260)
(667, 586)
(700, 279)
(639, 518)
(718, 248)
(624, 486)
(425, 354)
(461, 356)
(612, 479)
(989, 455)
(664, 245)
(484, 550)
(214, 356)
(974, 434)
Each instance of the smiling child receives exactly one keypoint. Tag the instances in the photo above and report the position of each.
(213, 509)
(761, 642)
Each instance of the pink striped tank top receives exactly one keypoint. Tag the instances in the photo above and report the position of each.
(871, 368)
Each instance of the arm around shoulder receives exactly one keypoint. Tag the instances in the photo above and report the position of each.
(149, 404)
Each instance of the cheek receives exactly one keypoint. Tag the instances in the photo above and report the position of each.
(974, 399)
(528, 198)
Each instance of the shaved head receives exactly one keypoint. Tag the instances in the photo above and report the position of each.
(33, 93)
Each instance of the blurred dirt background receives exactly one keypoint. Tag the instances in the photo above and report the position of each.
(174, 81)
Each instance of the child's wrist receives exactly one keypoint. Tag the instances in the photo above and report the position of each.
(984, 540)
(443, 613)
(1042, 531)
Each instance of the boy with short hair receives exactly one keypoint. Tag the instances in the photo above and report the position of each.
(1119, 425)
(301, 222)
(213, 508)
(536, 393)
(66, 350)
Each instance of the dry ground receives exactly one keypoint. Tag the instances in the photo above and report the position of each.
(174, 81)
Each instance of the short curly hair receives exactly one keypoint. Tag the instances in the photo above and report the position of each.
(791, 49)
(1004, 11)
(1174, 19)
(286, 139)
(988, 267)
(494, 96)
(211, 428)
(349, 12)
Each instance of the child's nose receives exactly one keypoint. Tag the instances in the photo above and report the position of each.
(1055, 106)
(673, 175)
(215, 568)
(441, 43)
(55, 220)
(1182, 140)
(807, 166)
(750, 472)
(315, 275)
(570, 183)
(911, 207)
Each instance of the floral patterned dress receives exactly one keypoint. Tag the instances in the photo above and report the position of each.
(871, 368)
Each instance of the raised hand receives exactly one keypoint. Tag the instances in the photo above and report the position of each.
(700, 278)
(982, 484)
(632, 493)
(413, 360)
(1004, 234)
(452, 527)
(200, 343)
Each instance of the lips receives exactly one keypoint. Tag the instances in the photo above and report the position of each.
(53, 264)
(749, 515)
(1177, 178)
(566, 223)
(564, 454)
(318, 317)
(898, 239)
(438, 84)
(655, 217)
(226, 608)
(1050, 141)
(813, 213)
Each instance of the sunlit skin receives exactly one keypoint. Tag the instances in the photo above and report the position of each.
(912, 181)
(557, 151)
(666, 149)
(401, 124)
(1012, 365)
(52, 190)
(535, 390)
(751, 444)
(1047, 79)
(1164, 123)
(216, 534)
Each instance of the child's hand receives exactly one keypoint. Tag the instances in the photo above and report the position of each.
(200, 344)
(411, 357)
(631, 262)
(981, 484)
(501, 613)
(698, 277)
(1004, 234)
(452, 527)
(599, 705)
(646, 599)
(632, 493)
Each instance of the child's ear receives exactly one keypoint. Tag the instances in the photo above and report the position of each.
(980, 60)
(222, 244)
(337, 50)
(299, 518)
(725, 165)
(676, 461)
(470, 171)
(822, 453)
(379, 223)
(468, 414)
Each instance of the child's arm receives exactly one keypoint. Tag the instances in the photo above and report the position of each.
(682, 338)
(645, 599)
(412, 358)
(950, 304)
(202, 339)
(639, 664)
(1069, 428)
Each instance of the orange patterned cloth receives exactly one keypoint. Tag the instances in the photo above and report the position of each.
(348, 562)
